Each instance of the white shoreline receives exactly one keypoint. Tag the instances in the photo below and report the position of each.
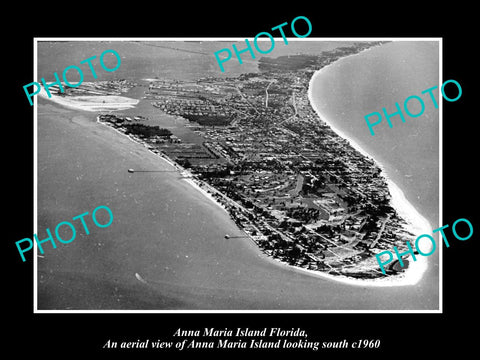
(92, 103)
(339, 278)
(417, 224)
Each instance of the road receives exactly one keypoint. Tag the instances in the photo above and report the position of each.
(266, 93)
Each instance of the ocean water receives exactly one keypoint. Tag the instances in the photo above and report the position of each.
(180, 60)
(358, 85)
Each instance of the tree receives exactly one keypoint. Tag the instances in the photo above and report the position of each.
(187, 164)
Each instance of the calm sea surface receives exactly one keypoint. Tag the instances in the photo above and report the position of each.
(359, 85)
(166, 248)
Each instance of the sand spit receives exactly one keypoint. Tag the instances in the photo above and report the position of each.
(93, 103)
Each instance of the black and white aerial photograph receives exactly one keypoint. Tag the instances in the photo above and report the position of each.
(208, 181)
(259, 187)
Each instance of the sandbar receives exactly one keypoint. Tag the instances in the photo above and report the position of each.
(92, 103)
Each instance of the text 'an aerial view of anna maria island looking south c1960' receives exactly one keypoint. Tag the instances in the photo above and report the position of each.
(302, 193)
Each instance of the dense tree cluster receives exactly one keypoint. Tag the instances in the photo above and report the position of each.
(208, 120)
(146, 130)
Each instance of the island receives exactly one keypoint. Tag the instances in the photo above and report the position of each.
(302, 193)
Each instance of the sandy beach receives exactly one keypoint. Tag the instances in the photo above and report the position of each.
(417, 224)
(92, 103)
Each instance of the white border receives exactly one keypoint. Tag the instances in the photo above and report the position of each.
(440, 177)
(35, 170)
(35, 177)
